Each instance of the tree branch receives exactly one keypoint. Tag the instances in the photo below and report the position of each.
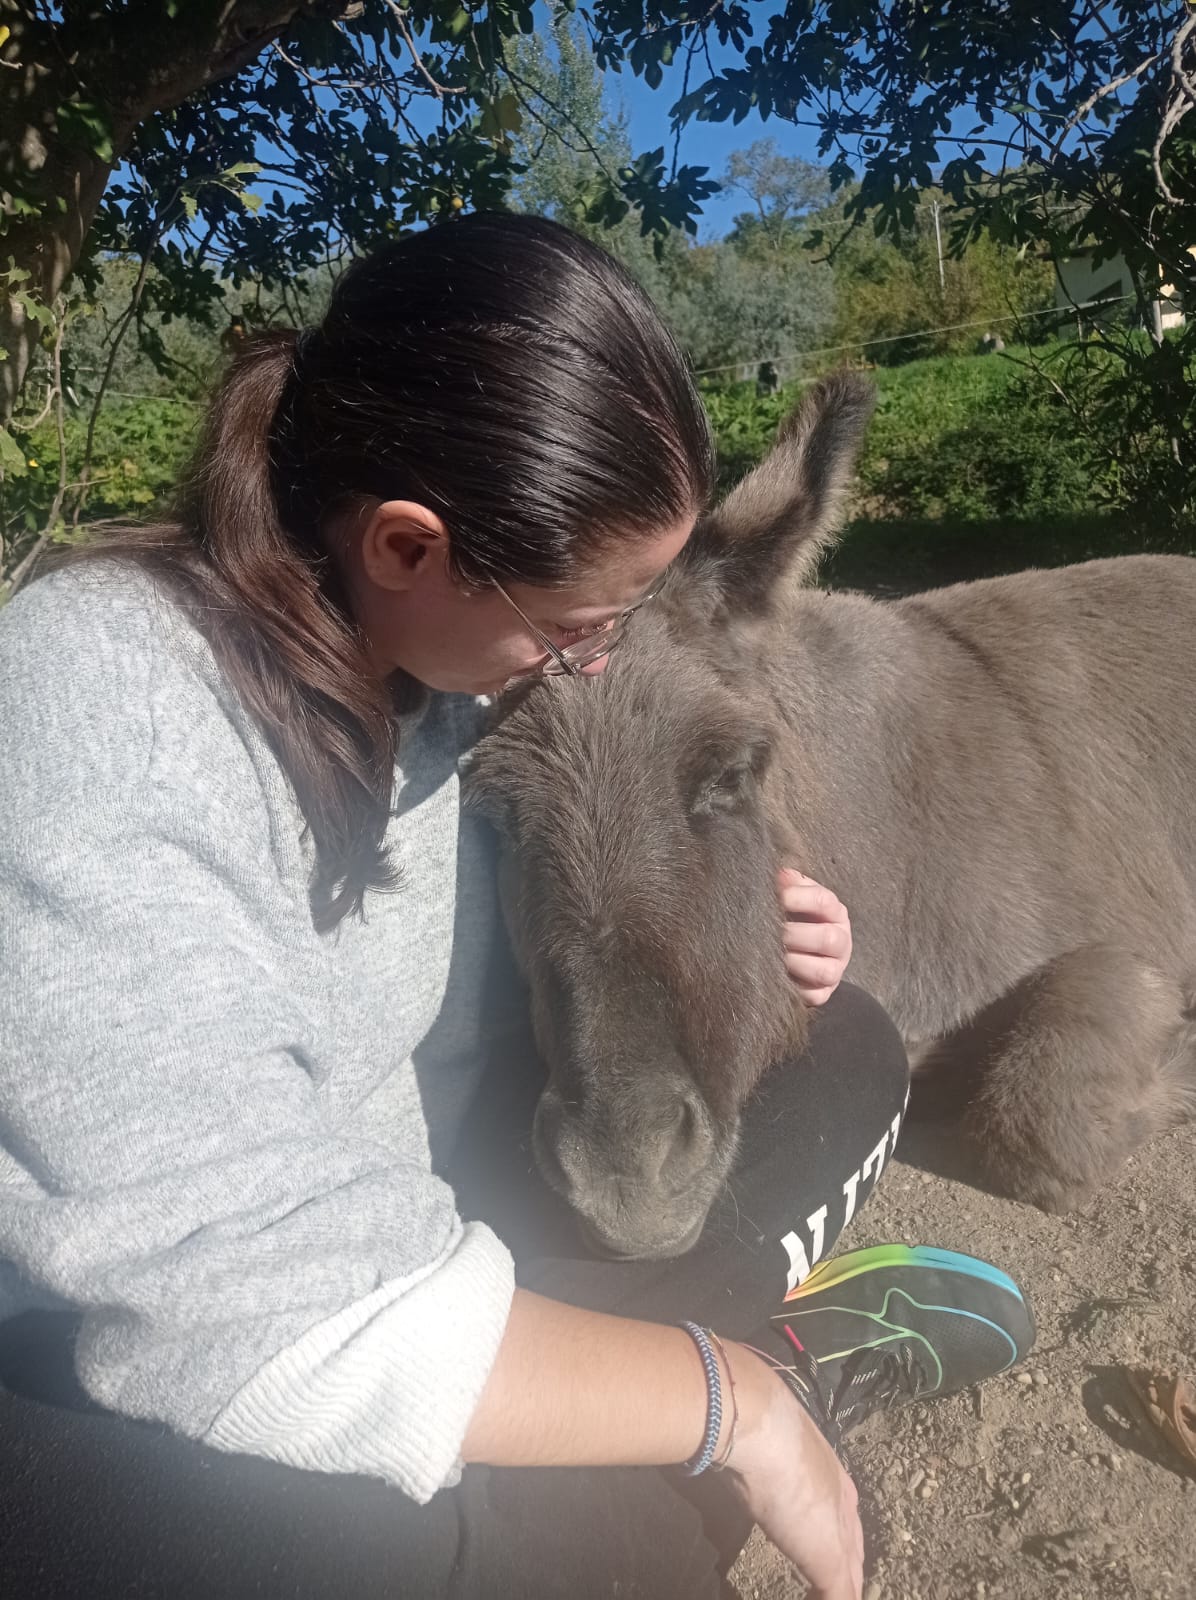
(1181, 100)
(1082, 111)
(440, 90)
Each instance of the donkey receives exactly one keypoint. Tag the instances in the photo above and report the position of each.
(998, 778)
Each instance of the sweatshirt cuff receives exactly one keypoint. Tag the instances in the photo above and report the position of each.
(387, 1386)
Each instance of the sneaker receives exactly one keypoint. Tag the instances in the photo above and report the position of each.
(881, 1327)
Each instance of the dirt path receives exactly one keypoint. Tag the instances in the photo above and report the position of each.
(1044, 1483)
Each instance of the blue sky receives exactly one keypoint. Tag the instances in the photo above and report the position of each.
(705, 144)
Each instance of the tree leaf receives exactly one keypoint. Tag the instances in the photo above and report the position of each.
(12, 457)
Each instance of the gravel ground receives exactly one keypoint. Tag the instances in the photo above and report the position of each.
(1046, 1482)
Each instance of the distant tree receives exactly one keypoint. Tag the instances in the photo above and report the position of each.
(576, 139)
(900, 297)
(732, 307)
(728, 302)
(782, 189)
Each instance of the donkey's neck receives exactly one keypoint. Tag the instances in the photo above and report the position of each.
(862, 789)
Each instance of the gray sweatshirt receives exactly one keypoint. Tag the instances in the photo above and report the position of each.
(214, 1122)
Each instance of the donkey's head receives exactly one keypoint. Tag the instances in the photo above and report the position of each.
(641, 842)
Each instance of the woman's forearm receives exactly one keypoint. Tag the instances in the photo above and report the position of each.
(579, 1388)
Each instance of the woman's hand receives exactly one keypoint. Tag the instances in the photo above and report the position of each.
(794, 1484)
(817, 936)
(577, 1388)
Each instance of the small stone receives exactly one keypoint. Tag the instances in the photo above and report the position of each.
(1024, 1379)
(925, 1492)
(1039, 1380)
(981, 1590)
(1025, 1478)
(1094, 1460)
(1115, 1462)
(1141, 1206)
(905, 1536)
(915, 1483)
(872, 1590)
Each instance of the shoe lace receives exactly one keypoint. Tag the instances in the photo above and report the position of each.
(870, 1381)
(876, 1381)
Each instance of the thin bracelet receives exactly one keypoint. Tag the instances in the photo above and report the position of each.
(704, 1455)
(717, 1466)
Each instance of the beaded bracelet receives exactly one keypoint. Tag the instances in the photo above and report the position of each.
(704, 1455)
(717, 1466)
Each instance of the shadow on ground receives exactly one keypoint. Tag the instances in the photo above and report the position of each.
(890, 558)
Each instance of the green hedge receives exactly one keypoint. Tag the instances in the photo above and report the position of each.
(966, 470)
(961, 438)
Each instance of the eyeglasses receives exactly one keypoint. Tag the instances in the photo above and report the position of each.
(569, 660)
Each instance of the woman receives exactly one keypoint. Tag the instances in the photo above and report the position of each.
(253, 1160)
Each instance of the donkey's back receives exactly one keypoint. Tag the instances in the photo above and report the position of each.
(1024, 775)
(1085, 678)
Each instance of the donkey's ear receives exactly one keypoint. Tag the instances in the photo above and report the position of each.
(772, 528)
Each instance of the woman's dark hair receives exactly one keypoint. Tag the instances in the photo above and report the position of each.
(498, 369)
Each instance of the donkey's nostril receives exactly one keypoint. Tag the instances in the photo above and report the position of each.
(555, 1146)
(686, 1141)
(687, 1122)
(546, 1144)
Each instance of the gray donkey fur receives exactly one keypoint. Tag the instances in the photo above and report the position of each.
(998, 778)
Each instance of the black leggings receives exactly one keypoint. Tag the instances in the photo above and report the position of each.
(101, 1508)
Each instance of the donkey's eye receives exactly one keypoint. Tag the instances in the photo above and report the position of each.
(728, 786)
(728, 792)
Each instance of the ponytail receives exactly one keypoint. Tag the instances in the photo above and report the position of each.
(270, 606)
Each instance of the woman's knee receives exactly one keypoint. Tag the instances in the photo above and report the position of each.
(854, 1033)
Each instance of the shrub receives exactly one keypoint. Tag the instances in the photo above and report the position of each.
(960, 438)
(137, 452)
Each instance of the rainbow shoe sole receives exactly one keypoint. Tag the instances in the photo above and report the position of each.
(946, 1320)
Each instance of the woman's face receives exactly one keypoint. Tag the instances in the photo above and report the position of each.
(419, 618)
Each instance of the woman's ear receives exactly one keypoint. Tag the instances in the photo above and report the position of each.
(401, 541)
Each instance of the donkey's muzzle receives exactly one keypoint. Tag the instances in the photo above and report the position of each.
(641, 1174)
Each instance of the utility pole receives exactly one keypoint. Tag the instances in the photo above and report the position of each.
(938, 235)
